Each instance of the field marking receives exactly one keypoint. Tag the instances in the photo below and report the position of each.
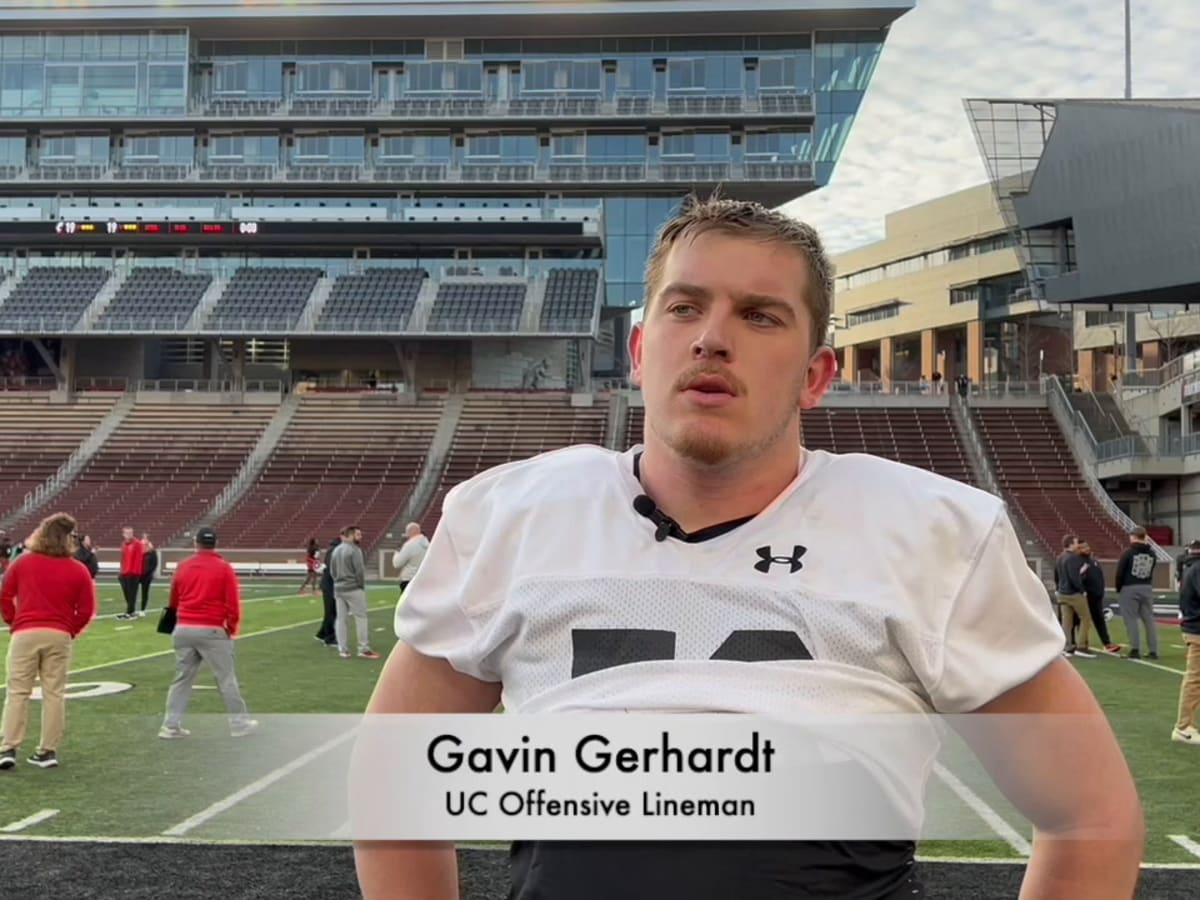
(1186, 843)
(1142, 662)
(979, 806)
(255, 786)
(21, 824)
(241, 637)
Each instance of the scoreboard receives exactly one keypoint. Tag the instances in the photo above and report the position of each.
(234, 234)
(113, 227)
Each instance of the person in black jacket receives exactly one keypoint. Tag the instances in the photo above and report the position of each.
(1189, 555)
(1072, 598)
(1135, 593)
(1185, 730)
(1093, 586)
(325, 634)
(86, 555)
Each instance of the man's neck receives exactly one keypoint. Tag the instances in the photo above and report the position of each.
(698, 496)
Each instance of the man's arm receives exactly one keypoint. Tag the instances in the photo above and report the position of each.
(1065, 771)
(1123, 566)
(413, 683)
(8, 595)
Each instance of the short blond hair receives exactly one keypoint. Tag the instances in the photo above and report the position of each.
(755, 222)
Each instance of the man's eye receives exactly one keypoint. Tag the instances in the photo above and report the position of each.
(682, 309)
(760, 318)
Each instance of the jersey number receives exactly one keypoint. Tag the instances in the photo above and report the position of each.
(595, 649)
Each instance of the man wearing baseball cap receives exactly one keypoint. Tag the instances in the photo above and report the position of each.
(206, 597)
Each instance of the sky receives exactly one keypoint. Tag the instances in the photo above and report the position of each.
(912, 140)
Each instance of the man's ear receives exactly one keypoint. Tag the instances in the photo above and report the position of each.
(822, 370)
(636, 337)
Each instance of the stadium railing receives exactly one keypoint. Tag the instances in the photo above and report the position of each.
(1083, 442)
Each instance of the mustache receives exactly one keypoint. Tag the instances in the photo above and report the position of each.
(703, 369)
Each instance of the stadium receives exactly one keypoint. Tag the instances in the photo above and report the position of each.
(314, 266)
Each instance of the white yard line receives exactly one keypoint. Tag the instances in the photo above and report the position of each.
(1186, 843)
(22, 824)
(241, 637)
(979, 806)
(255, 786)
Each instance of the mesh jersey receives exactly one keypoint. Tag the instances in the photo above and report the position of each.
(888, 588)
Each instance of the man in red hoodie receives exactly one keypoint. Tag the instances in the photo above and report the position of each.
(133, 554)
(206, 597)
(48, 599)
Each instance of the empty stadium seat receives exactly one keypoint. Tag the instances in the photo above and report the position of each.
(159, 299)
(269, 298)
(378, 299)
(50, 298)
(343, 460)
(477, 306)
(570, 300)
(497, 428)
(1041, 479)
(160, 470)
(60, 429)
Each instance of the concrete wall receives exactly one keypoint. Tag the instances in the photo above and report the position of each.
(508, 364)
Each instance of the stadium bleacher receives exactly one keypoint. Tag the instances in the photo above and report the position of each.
(60, 429)
(498, 427)
(52, 297)
(159, 471)
(477, 306)
(343, 460)
(570, 300)
(157, 298)
(268, 297)
(376, 298)
(1042, 480)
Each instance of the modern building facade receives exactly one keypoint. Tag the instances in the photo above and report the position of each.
(944, 292)
(492, 149)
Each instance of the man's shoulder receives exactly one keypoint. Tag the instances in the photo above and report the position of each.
(555, 470)
(904, 493)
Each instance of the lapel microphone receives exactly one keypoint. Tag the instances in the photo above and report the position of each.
(664, 525)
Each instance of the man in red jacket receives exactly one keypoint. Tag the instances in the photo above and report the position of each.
(48, 599)
(207, 601)
(133, 554)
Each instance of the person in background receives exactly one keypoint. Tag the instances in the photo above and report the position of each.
(48, 599)
(1185, 730)
(407, 560)
(6, 551)
(327, 633)
(1093, 586)
(1135, 593)
(1072, 599)
(1190, 554)
(349, 572)
(132, 559)
(86, 555)
(207, 600)
(312, 568)
(149, 570)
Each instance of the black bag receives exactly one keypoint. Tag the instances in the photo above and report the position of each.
(166, 624)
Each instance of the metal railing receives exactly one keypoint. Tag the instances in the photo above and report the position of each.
(211, 386)
(1078, 432)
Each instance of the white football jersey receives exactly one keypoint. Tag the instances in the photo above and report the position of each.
(866, 586)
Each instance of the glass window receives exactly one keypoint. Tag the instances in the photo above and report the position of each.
(20, 88)
(568, 145)
(342, 149)
(340, 77)
(12, 151)
(165, 149)
(561, 75)
(252, 78)
(635, 75)
(110, 88)
(421, 147)
(774, 146)
(250, 149)
(685, 74)
(610, 147)
(439, 77)
(165, 88)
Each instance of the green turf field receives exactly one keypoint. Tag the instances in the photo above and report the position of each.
(117, 780)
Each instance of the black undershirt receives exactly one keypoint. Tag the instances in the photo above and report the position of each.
(713, 870)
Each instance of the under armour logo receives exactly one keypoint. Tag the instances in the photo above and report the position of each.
(766, 560)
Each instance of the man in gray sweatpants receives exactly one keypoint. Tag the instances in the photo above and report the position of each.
(207, 601)
(349, 571)
(1135, 593)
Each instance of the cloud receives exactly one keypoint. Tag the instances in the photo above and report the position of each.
(912, 141)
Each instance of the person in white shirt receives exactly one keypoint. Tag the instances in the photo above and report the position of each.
(407, 560)
(719, 568)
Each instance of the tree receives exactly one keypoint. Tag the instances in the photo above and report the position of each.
(1177, 330)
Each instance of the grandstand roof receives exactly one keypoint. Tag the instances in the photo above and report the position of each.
(344, 18)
